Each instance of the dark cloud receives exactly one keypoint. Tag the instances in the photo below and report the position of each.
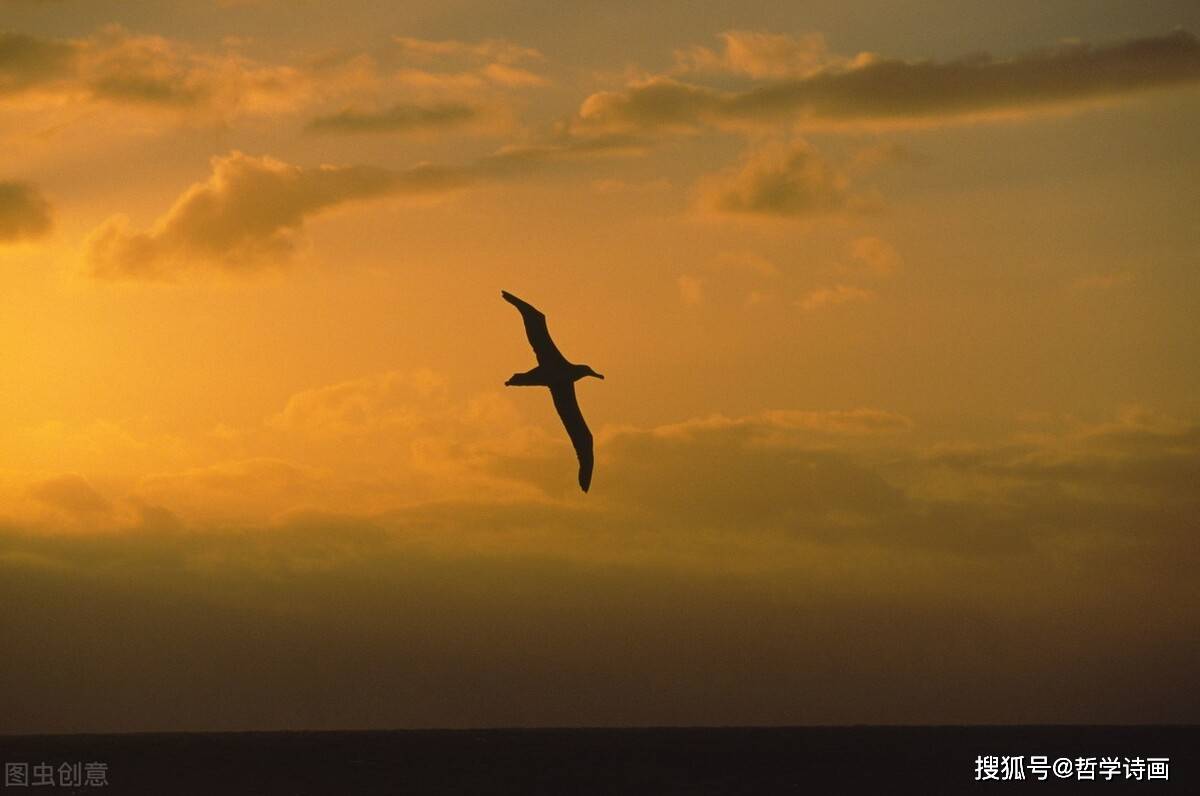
(746, 475)
(847, 476)
(874, 89)
(883, 88)
(776, 569)
(24, 212)
(659, 103)
(400, 118)
(120, 67)
(1133, 458)
(26, 61)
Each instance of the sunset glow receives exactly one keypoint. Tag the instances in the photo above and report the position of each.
(896, 309)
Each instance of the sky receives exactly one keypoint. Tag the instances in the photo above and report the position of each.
(895, 305)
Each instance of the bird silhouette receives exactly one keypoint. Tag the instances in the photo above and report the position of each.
(554, 371)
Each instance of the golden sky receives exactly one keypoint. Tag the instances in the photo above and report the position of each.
(895, 305)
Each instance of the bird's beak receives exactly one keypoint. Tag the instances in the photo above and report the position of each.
(597, 375)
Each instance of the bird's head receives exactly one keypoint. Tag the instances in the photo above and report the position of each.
(586, 370)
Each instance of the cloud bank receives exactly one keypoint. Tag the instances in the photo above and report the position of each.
(777, 568)
(408, 84)
(876, 90)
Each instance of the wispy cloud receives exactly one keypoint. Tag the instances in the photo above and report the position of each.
(758, 54)
(451, 63)
(399, 118)
(499, 51)
(833, 296)
(877, 256)
(28, 61)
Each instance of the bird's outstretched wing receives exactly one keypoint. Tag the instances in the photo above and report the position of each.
(568, 409)
(535, 329)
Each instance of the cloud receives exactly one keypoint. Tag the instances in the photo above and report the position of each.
(26, 61)
(425, 636)
(487, 50)
(833, 296)
(832, 556)
(777, 471)
(451, 63)
(116, 67)
(513, 77)
(877, 90)
(401, 437)
(854, 477)
(71, 493)
(743, 276)
(878, 256)
(834, 476)
(1139, 457)
(24, 212)
(758, 55)
(441, 85)
(783, 181)
(249, 214)
(852, 421)
(399, 118)
(656, 103)
(152, 70)
(246, 216)
(371, 406)
(239, 491)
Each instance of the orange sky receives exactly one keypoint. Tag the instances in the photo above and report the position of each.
(900, 418)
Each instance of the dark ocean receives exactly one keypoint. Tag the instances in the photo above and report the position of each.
(809, 760)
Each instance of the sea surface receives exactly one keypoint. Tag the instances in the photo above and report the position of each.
(728, 760)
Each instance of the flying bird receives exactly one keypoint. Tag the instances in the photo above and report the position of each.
(554, 371)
